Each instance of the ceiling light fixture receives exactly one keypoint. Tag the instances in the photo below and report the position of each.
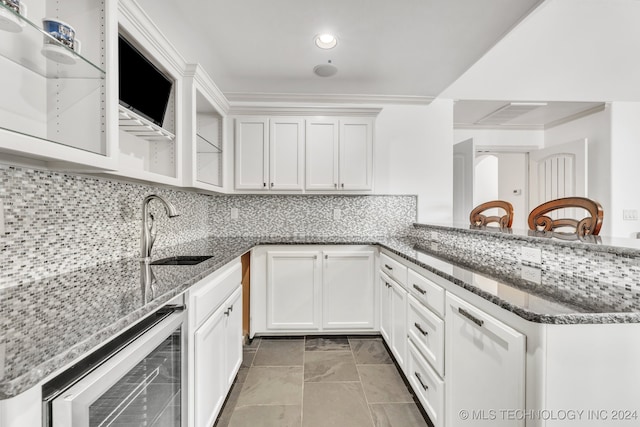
(326, 41)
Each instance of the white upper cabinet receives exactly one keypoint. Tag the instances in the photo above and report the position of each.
(339, 154)
(356, 154)
(322, 154)
(269, 153)
(204, 131)
(53, 103)
(252, 153)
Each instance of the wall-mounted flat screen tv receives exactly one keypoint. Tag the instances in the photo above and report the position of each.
(143, 88)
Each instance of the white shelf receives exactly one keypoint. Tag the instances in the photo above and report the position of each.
(137, 125)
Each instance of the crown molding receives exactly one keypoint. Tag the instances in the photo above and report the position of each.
(135, 20)
(473, 126)
(207, 86)
(293, 110)
(328, 98)
(576, 116)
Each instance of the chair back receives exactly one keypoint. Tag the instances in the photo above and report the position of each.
(478, 219)
(539, 220)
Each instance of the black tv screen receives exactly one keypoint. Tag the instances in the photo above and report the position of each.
(143, 87)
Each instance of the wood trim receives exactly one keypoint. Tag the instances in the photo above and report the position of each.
(246, 292)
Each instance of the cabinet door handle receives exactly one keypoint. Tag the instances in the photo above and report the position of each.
(470, 316)
(419, 327)
(336, 185)
(387, 284)
(388, 267)
(342, 185)
(424, 386)
(419, 289)
(231, 308)
(272, 185)
(226, 313)
(264, 184)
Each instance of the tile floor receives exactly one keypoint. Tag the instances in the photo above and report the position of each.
(319, 382)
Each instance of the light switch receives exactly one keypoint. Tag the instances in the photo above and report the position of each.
(337, 214)
(532, 255)
(234, 213)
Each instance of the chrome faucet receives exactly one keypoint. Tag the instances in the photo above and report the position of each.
(149, 230)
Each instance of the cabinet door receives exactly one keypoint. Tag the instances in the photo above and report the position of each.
(293, 290)
(321, 165)
(348, 290)
(210, 379)
(286, 153)
(398, 323)
(252, 153)
(233, 335)
(485, 362)
(385, 308)
(356, 154)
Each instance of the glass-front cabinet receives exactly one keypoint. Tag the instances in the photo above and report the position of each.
(53, 57)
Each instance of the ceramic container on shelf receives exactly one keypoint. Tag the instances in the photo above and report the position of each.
(10, 15)
(65, 34)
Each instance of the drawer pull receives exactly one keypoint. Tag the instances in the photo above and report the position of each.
(229, 310)
(419, 289)
(470, 316)
(387, 284)
(424, 386)
(419, 327)
(388, 267)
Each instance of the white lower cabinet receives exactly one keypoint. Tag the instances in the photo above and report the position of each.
(293, 290)
(426, 330)
(215, 343)
(426, 384)
(485, 362)
(309, 289)
(348, 294)
(393, 325)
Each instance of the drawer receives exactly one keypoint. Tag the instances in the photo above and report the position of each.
(427, 292)
(394, 269)
(426, 385)
(426, 330)
(207, 295)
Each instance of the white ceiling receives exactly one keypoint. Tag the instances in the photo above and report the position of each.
(412, 48)
(469, 114)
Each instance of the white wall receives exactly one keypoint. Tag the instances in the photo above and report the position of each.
(414, 155)
(597, 129)
(625, 176)
(513, 174)
(501, 137)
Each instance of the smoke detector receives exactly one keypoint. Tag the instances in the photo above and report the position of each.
(325, 70)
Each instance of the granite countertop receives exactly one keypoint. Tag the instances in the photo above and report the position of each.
(49, 323)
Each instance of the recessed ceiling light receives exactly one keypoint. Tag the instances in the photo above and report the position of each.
(326, 41)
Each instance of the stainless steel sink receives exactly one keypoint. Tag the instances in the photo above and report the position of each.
(182, 260)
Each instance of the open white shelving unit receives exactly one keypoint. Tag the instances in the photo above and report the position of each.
(54, 110)
(204, 137)
(147, 151)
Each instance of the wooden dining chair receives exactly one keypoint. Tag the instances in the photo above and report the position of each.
(478, 219)
(539, 219)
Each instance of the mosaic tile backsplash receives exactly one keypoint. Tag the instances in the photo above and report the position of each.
(585, 272)
(309, 215)
(58, 222)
